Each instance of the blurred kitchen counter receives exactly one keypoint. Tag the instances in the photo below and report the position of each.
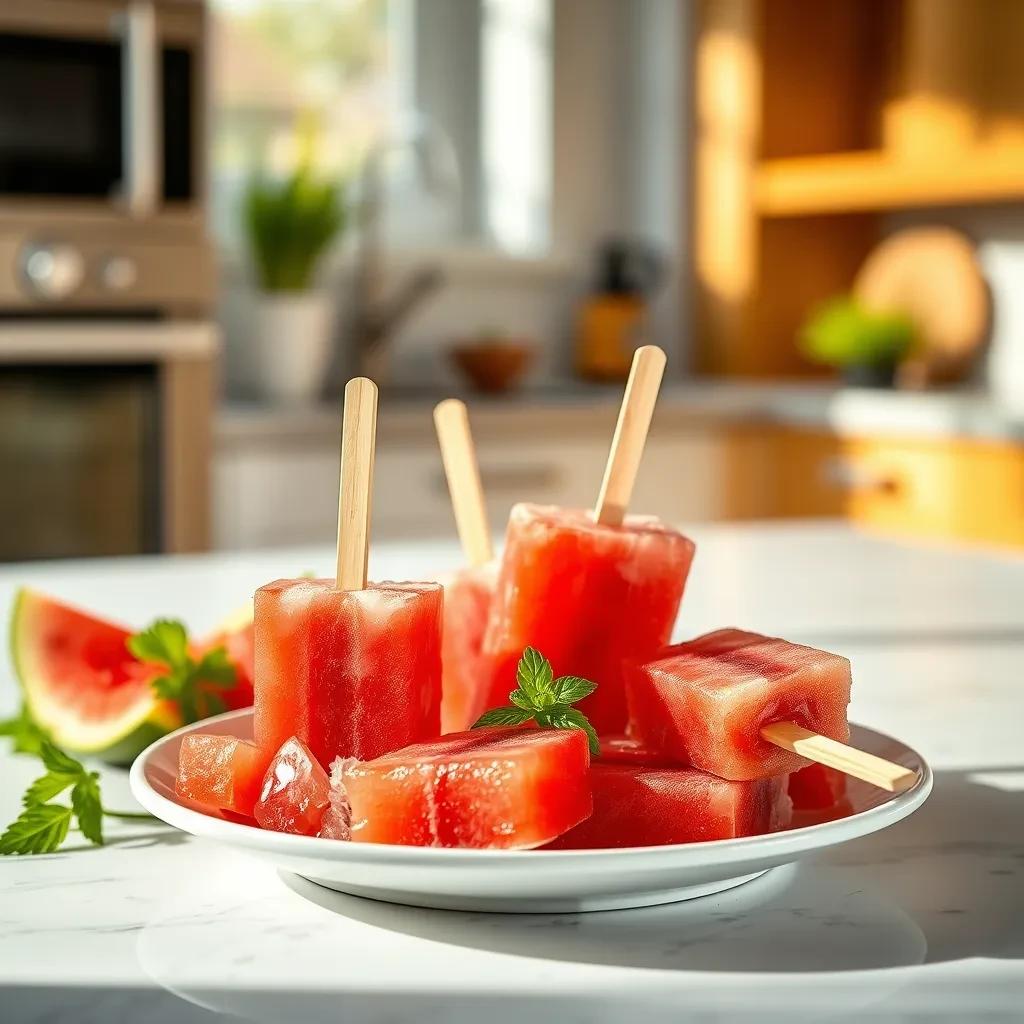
(954, 413)
(947, 464)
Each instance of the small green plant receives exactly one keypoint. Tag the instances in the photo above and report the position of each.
(843, 333)
(290, 223)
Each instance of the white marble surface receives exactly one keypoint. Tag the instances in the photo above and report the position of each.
(924, 921)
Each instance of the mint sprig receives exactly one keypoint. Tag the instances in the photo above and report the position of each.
(43, 826)
(541, 698)
(191, 684)
(26, 735)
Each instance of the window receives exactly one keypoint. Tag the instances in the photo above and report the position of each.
(342, 80)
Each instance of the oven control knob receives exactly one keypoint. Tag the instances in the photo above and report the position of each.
(119, 273)
(53, 270)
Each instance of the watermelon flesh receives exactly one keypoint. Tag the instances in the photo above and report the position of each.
(295, 791)
(587, 596)
(80, 681)
(467, 602)
(816, 788)
(704, 702)
(221, 772)
(627, 750)
(490, 788)
(350, 673)
(637, 805)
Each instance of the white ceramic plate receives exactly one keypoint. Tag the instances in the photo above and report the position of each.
(524, 881)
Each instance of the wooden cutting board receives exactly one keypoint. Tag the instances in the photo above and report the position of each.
(932, 274)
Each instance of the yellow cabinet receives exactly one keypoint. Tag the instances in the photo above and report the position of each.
(957, 489)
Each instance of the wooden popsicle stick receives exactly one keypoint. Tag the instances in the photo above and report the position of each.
(458, 454)
(358, 439)
(630, 435)
(858, 763)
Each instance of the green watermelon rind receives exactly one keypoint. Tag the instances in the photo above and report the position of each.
(119, 742)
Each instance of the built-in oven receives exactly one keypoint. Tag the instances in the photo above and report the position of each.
(107, 343)
(105, 437)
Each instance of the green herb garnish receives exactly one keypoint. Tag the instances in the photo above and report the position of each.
(43, 826)
(26, 735)
(192, 684)
(545, 700)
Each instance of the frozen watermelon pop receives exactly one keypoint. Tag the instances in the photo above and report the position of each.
(643, 805)
(591, 589)
(351, 669)
(500, 788)
(221, 772)
(467, 595)
(745, 706)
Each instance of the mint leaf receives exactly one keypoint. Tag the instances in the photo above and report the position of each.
(40, 828)
(47, 787)
(190, 684)
(27, 736)
(216, 669)
(85, 801)
(57, 761)
(164, 642)
(520, 700)
(570, 689)
(503, 716)
(571, 718)
(534, 676)
(546, 700)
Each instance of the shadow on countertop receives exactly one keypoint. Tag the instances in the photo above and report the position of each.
(945, 884)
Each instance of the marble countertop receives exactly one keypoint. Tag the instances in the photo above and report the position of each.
(924, 921)
(960, 412)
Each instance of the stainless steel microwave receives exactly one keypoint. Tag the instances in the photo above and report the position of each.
(102, 189)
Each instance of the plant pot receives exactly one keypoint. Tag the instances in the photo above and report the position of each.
(291, 346)
(870, 375)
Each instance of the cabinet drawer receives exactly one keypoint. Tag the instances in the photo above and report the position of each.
(966, 490)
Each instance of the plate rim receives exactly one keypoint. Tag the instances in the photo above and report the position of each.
(793, 841)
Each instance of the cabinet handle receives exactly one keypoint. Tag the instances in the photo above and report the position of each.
(522, 480)
(847, 475)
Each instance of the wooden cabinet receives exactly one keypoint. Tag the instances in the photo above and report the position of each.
(814, 119)
(959, 490)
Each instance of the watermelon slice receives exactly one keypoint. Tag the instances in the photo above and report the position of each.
(235, 634)
(626, 750)
(636, 805)
(86, 689)
(497, 788)
(81, 683)
(816, 787)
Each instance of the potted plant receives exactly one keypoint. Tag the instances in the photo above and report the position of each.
(865, 345)
(289, 224)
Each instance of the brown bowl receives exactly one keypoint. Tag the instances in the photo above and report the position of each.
(494, 366)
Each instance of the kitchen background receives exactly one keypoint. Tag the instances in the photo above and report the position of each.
(212, 213)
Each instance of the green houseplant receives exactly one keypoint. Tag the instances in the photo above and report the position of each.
(865, 345)
(289, 224)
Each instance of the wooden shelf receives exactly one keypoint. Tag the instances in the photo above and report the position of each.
(841, 182)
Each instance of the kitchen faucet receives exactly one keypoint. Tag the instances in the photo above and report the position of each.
(373, 316)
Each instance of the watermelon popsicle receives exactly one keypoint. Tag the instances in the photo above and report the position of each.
(647, 805)
(468, 594)
(349, 668)
(745, 706)
(591, 590)
(467, 604)
(491, 788)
